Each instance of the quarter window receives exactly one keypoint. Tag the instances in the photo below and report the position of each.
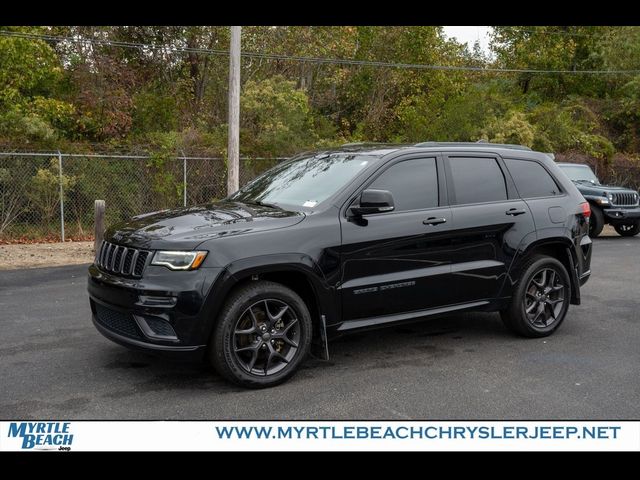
(413, 184)
(477, 180)
(531, 179)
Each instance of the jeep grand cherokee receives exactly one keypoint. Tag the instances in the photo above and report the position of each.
(336, 241)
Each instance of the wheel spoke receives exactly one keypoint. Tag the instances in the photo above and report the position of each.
(552, 310)
(249, 331)
(531, 307)
(252, 362)
(538, 313)
(253, 346)
(273, 319)
(288, 341)
(267, 364)
(556, 301)
(557, 288)
(531, 295)
(551, 279)
(280, 356)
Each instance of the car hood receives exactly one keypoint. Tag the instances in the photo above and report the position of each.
(186, 228)
(600, 189)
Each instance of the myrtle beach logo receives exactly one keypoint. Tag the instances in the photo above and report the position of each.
(42, 435)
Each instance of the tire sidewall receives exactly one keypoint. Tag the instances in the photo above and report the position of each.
(528, 274)
(223, 334)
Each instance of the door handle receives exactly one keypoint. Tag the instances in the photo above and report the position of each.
(515, 211)
(434, 221)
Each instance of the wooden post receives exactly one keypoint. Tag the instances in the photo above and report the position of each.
(99, 225)
(233, 150)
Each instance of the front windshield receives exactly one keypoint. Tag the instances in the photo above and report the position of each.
(305, 181)
(580, 172)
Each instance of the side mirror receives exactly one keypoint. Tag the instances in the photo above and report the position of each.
(373, 201)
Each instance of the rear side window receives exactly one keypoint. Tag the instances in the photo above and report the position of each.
(413, 184)
(477, 180)
(531, 179)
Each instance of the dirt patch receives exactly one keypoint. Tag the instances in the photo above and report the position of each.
(45, 254)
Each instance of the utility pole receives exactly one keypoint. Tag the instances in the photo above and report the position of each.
(233, 149)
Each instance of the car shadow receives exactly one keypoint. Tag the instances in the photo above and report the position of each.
(417, 343)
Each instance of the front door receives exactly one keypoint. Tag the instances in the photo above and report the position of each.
(399, 261)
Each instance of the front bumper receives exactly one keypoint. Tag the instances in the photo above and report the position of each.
(163, 312)
(620, 214)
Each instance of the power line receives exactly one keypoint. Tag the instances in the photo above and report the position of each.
(552, 32)
(317, 60)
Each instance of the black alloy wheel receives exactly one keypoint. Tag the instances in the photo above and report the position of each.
(265, 337)
(540, 300)
(262, 335)
(544, 298)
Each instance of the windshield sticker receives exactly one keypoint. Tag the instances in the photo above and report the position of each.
(309, 203)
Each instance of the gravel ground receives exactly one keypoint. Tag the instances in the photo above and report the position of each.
(45, 254)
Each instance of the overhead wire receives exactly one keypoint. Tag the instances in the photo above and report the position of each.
(308, 59)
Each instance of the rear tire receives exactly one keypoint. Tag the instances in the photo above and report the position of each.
(540, 300)
(262, 335)
(596, 221)
(627, 229)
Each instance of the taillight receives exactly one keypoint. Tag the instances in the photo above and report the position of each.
(585, 209)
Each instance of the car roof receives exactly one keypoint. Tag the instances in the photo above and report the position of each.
(572, 164)
(381, 149)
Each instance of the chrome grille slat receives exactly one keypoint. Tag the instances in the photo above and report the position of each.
(121, 260)
(103, 250)
(133, 261)
(123, 255)
(107, 260)
(112, 258)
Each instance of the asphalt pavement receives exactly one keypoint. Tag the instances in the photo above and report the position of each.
(55, 365)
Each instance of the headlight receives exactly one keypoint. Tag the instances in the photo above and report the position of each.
(602, 201)
(610, 197)
(179, 260)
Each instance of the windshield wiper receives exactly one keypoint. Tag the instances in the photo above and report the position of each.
(264, 204)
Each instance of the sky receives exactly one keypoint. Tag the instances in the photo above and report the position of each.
(470, 35)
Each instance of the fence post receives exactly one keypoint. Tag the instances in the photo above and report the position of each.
(184, 179)
(61, 196)
(98, 225)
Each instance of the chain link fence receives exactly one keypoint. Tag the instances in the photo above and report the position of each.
(50, 196)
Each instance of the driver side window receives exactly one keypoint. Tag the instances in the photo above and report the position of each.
(413, 184)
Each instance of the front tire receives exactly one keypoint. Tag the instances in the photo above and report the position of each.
(262, 335)
(596, 221)
(627, 229)
(541, 298)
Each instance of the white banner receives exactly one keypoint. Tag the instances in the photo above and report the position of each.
(319, 435)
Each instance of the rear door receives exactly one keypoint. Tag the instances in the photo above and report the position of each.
(490, 221)
(399, 261)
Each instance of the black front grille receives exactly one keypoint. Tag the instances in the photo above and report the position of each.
(118, 322)
(625, 199)
(125, 261)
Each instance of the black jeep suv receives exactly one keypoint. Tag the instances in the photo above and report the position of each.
(330, 242)
(617, 206)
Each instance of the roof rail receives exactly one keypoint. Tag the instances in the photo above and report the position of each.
(362, 144)
(479, 143)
